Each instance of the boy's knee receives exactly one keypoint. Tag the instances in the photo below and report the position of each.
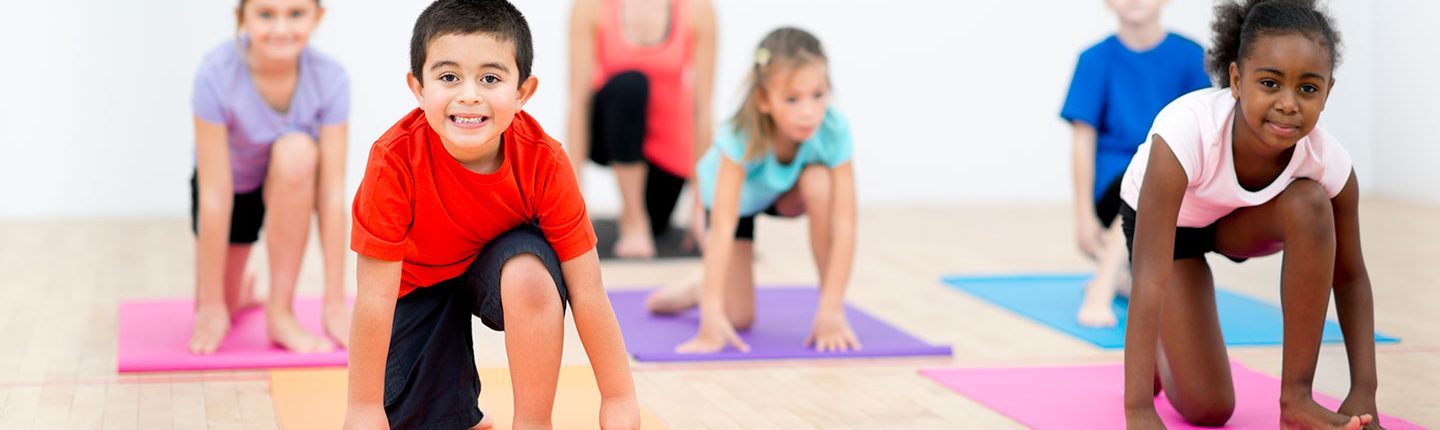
(526, 285)
(294, 158)
(1210, 413)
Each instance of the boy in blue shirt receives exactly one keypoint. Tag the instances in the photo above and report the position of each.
(1120, 84)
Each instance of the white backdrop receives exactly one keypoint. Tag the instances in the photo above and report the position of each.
(952, 103)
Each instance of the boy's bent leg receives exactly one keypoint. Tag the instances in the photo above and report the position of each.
(520, 290)
(430, 376)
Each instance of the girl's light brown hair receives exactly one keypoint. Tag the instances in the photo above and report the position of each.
(782, 51)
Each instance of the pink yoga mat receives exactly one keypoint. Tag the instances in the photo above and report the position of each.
(155, 336)
(1091, 397)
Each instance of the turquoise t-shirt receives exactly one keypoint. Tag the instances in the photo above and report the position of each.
(765, 177)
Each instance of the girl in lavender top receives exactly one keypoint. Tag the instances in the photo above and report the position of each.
(270, 130)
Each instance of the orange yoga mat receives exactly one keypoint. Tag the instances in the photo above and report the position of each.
(315, 399)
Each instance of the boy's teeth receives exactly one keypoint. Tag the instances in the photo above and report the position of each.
(467, 120)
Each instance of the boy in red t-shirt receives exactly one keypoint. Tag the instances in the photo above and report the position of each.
(469, 208)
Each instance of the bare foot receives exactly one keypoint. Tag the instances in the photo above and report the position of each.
(211, 325)
(1306, 414)
(1096, 310)
(635, 240)
(337, 323)
(285, 331)
(676, 298)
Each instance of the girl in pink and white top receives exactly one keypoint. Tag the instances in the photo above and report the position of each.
(1244, 171)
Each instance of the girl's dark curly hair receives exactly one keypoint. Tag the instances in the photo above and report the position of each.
(1238, 24)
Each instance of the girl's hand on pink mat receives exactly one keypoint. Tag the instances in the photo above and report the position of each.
(832, 333)
(715, 333)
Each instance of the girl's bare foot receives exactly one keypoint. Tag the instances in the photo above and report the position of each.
(676, 298)
(1306, 414)
(285, 331)
(337, 322)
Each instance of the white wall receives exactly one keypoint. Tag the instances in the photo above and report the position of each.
(953, 102)
(1407, 132)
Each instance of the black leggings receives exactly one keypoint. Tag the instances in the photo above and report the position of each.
(617, 135)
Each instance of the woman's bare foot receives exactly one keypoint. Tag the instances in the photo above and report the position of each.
(337, 322)
(677, 297)
(1096, 310)
(211, 325)
(635, 240)
(285, 331)
(1306, 414)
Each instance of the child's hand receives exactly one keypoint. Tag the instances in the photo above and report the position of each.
(1143, 420)
(620, 413)
(715, 333)
(1089, 235)
(832, 333)
(212, 322)
(366, 418)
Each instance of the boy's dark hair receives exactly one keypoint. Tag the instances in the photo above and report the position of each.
(497, 18)
(1238, 25)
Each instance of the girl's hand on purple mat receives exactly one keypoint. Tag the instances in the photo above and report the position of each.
(832, 333)
(715, 333)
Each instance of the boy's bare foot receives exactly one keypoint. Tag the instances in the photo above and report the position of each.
(635, 240)
(676, 298)
(285, 331)
(211, 325)
(1096, 310)
(337, 322)
(1306, 414)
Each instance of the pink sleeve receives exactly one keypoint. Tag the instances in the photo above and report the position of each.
(1334, 158)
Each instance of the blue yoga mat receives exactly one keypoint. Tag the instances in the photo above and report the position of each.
(1053, 300)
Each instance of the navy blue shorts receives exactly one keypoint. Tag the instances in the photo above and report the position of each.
(430, 376)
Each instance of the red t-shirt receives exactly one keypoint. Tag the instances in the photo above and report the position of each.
(417, 204)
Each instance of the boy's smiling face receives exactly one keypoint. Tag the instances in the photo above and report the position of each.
(470, 90)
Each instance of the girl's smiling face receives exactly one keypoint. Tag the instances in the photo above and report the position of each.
(279, 29)
(1281, 88)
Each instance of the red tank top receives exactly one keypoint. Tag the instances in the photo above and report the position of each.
(670, 121)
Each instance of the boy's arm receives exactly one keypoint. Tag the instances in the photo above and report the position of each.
(600, 334)
(1353, 300)
(379, 282)
(1088, 233)
(1154, 252)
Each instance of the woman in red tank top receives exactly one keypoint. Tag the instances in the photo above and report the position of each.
(641, 73)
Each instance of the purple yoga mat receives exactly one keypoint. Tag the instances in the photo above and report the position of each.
(1092, 397)
(782, 322)
(155, 336)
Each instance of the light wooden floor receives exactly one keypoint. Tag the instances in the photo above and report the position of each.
(60, 282)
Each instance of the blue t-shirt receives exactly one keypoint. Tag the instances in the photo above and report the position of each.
(766, 178)
(225, 94)
(1119, 91)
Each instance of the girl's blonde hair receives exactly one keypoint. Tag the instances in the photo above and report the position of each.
(783, 50)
